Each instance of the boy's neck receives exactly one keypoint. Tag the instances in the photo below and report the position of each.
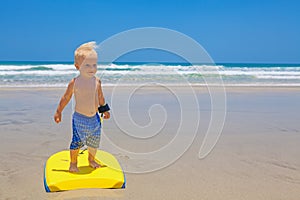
(85, 77)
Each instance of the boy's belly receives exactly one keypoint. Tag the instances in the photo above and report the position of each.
(86, 110)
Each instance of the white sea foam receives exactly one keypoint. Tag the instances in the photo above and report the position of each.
(38, 74)
(279, 77)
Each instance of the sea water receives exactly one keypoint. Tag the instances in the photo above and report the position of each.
(58, 74)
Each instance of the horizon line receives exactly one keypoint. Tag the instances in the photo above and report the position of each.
(146, 62)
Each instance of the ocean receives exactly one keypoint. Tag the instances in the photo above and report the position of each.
(58, 74)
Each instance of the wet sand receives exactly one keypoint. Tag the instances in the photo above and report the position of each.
(256, 157)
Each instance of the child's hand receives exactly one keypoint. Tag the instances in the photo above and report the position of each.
(106, 115)
(57, 117)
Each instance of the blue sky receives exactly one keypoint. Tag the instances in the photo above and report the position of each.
(255, 31)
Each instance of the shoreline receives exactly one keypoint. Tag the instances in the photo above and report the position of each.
(296, 87)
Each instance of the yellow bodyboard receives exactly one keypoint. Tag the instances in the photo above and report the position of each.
(58, 178)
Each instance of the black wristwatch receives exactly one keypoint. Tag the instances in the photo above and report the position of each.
(103, 108)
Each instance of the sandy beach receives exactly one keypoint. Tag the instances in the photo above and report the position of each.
(256, 157)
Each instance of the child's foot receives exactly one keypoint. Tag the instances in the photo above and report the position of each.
(73, 168)
(94, 164)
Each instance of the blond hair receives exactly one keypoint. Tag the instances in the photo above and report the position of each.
(83, 51)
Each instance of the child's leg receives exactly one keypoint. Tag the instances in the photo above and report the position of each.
(73, 163)
(92, 153)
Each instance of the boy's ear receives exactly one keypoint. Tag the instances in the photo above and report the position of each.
(77, 66)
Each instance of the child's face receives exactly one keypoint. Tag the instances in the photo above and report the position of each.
(88, 67)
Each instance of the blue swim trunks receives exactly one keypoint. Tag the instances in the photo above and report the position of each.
(86, 131)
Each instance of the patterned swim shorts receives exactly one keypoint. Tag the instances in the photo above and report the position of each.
(86, 131)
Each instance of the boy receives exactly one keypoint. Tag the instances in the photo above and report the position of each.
(88, 96)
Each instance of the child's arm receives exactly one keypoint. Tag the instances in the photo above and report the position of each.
(64, 101)
(102, 100)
